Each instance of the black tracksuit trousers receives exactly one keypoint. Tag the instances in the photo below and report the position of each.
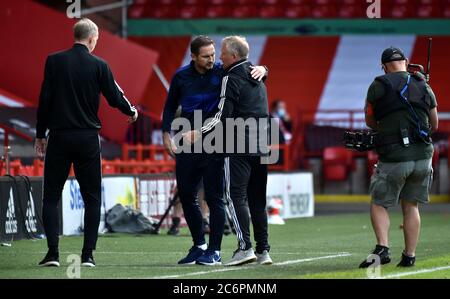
(82, 148)
(190, 169)
(245, 190)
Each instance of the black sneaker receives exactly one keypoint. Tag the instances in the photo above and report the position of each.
(50, 260)
(173, 231)
(407, 261)
(382, 252)
(87, 261)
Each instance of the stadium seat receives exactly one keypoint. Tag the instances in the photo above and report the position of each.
(446, 11)
(138, 11)
(298, 11)
(247, 2)
(271, 11)
(194, 2)
(428, 11)
(429, 2)
(324, 11)
(274, 2)
(324, 2)
(245, 11)
(350, 2)
(299, 2)
(402, 11)
(337, 165)
(143, 2)
(164, 12)
(192, 12)
(399, 2)
(218, 11)
(221, 2)
(165, 2)
(351, 11)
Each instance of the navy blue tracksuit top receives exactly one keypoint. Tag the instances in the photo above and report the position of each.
(193, 91)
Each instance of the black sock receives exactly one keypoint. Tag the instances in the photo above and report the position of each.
(176, 221)
(86, 252)
(381, 247)
(53, 250)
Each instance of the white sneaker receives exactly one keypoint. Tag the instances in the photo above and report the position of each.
(241, 257)
(264, 258)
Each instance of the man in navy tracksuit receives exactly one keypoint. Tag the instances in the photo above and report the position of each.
(243, 99)
(197, 87)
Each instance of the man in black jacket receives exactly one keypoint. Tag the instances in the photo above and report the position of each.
(243, 110)
(68, 106)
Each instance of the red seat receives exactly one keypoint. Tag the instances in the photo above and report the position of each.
(298, 11)
(430, 2)
(324, 11)
(402, 11)
(247, 2)
(221, 2)
(246, 11)
(271, 11)
(428, 11)
(274, 2)
(324, 2)
(446, 13)
(142, 2)
(337, 164)
(299, 2)
(165, 12)
(194, 2)
(400, 2)
(192, 12)
(350, 2)
(138, 11)
(218, 11)
(165, 2)
(351, 11)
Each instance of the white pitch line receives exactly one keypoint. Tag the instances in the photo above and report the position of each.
(312, 259)
(120, 253)
(179, 252)
(415, 272)
(248, 267)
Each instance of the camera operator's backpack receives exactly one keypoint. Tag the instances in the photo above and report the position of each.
(122, 219)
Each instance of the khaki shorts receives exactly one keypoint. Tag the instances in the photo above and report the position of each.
(392, 182)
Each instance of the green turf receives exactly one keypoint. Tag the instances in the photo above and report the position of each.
(155, 256)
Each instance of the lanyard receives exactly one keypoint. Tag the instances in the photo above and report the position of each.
(422, 133)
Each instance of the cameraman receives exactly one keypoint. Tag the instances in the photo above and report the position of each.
(401, 107)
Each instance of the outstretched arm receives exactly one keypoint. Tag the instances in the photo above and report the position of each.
(115, 95)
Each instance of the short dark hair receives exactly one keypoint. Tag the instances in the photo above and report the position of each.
(200, 41)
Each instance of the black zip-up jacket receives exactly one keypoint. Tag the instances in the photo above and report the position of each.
(70, 92)
(242, 97)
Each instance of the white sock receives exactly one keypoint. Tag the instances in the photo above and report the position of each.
(202, 247)
(217, 252)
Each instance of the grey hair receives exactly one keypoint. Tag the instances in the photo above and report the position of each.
(84, 29)
(237, 45)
